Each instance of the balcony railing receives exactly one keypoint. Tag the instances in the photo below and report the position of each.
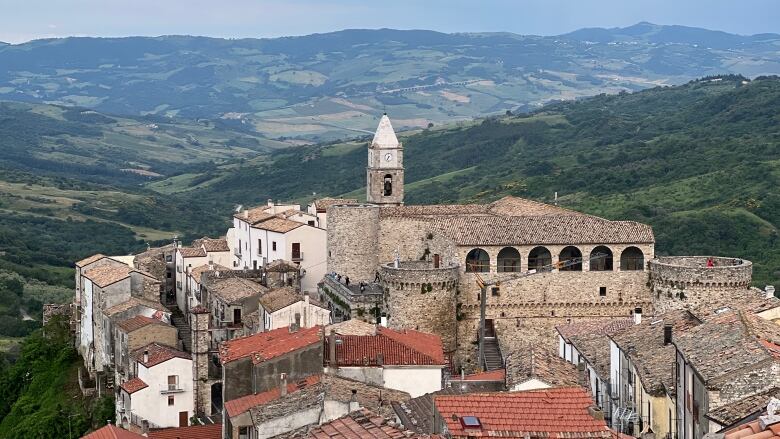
(170, 388)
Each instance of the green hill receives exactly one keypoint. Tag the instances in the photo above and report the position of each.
(326, 86)
(700, 162)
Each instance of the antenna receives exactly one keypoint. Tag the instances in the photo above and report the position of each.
(239, 207)
(556, 198)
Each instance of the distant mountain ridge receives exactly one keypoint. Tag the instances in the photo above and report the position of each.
(332, 85)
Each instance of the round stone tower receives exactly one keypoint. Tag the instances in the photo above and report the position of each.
(421, 296)
(689, 281)
(353, 241)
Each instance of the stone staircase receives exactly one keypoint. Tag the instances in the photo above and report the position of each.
(177, 319)
(493, 359)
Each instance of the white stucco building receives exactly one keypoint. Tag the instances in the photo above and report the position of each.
(160, 395)
(269, 233)
(284, 306)
(202, 252)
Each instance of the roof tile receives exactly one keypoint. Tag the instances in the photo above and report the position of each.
(158, 353)
(267, 345)
(211, 431)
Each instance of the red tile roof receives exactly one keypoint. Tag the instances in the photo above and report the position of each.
(158, 353)
(133, 385)
(493, 375)
(552, 413)
(112, 432)
(752, 430)
(358, 425)
(212, 431)
(266, 345)
(138, 322)
(240, 405)
(398, 348)
(91, 259)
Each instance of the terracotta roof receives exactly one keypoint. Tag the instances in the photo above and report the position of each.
(233, 290)
(254, 215)
(199, 309)
(112, 432)
(558, 229)
(196, 272)
(211, 431)
(279, 298)
(728, 342)
(267, 345)
(91, 259)
(492, 375)
(351, 327)
(158, 353)
(281, 266)
(359, 424)
(108, 274)
(435, 210)
(553, 413)
(591, 339)
(133, 385)
(134, 302)
(324, 203)
(192, 252)
(728, 414)
(279, 225)
(398, 348)
(138, 322)
(416, 414)
(644, 345)
(753, 430)
(516, 206)
(505, 207)
(212, 244)
(539, 364)
(241, 405)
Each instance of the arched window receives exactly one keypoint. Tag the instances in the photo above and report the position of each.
(570, 253)
(601, 259)
(632, 259)
(508, 260)
(538, 258)
(388, 185)
(477, 261)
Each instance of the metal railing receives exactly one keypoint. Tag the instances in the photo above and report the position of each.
(170, 388)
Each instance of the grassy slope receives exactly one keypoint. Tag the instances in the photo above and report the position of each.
(699, 162)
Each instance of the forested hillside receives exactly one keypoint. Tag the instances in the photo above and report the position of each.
(700, 162)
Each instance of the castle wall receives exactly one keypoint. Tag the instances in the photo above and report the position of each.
(353, 241)
(421, 297)
(410, 238)
(686, 281)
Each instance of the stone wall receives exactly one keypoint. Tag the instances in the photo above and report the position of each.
(352, 241)
(686, 281)
(297, 365)
(199, 330)
(421, 297)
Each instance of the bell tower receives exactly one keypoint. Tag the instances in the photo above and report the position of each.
(385, 171)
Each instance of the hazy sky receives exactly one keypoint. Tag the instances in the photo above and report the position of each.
(23, 20)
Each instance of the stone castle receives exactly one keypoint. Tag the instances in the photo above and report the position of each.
(546, 265)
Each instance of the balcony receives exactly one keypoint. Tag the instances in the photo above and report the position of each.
(237, 252)
(297, 257)
(170, 388)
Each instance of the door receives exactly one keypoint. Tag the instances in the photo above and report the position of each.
(237, 315)
(296, 251)
(184, 420)
(436, 260)
(490, 330)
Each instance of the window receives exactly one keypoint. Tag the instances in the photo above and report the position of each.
(168, 258)
(239, 246)
(388, 186)
(539, 258)
(168, 274)
(173, 382)
(601, 259)
(170, 400)
(494, 291)
(273, 246)
(311, 223)
(243, 432)
(570, 259)
(260, 247)
(602, 291)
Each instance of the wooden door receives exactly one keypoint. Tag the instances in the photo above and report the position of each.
(184, 420)
(490, 329)
(296, 251)
(237, 315)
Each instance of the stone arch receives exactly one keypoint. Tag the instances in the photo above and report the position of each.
(632, 259)
(539, 257)
(601, 263)
(569, 253)
(508, 260)
(477, 261)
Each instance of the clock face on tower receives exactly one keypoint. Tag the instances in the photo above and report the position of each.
(388, 157)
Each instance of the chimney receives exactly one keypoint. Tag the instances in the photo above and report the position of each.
(354, 405)
(270, 202)
(582, 374)
(770, 291)
(637, 316)
(596, 413)
(667, 334)
(332, 349)
(146, 356)
(246, 213)
(306, 310)
(297, 320)
(380, 358)
(283, 384)
(294, 326)
(211, 265)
